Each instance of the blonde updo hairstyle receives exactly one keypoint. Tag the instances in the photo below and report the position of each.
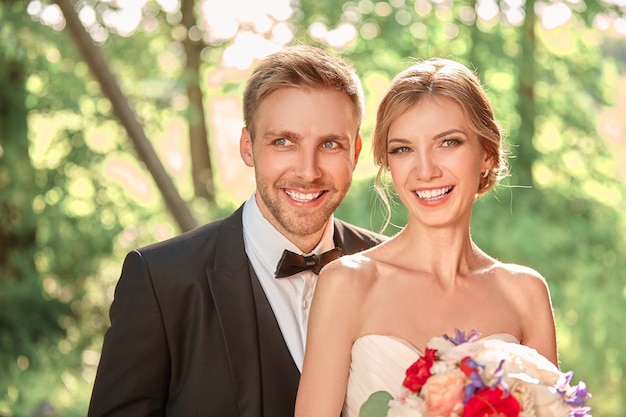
(444, 78)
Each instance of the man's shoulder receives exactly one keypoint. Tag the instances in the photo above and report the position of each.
(359, 231)
(205, 236)
(355, 238)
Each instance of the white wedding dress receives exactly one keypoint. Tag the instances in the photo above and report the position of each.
(379, 363)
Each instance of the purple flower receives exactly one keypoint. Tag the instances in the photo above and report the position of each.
(577, 395)
(565, 379)
(460, 337)
(581, 412)
(471, 369)
(476, 383)
(499, 374)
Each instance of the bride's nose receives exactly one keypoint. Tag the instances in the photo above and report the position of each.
(426, 167)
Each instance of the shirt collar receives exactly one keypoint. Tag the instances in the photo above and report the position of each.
(268, 242)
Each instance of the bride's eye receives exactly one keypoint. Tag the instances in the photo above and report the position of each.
(399, 149)
(451, 142)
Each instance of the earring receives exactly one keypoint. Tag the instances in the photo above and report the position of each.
(486, 173)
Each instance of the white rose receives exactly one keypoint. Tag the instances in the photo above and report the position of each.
(440, 344)
(537, 400)
(518, 359)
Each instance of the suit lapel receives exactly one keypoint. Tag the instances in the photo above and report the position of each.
(230, 286)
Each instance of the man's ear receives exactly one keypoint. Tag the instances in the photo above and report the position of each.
(245, 147)
(357, 151)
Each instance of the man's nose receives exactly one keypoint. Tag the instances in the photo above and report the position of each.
(308, 164)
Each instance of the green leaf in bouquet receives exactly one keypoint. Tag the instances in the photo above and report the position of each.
(376, 405)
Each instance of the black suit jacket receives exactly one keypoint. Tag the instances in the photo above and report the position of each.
(192, 333)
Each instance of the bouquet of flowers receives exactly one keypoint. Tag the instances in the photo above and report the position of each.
(466, 376)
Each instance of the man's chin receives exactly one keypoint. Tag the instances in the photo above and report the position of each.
(306, 223)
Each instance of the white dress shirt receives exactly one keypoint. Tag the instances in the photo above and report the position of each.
(290, 297)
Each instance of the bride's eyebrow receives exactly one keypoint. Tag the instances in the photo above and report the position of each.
(448, 133)
(398, 141)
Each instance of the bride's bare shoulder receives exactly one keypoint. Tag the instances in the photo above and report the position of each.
(522, 277)
(349, 264)
(519, 271)
(350, 271)
(344, 285)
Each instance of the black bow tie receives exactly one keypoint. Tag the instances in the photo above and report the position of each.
(292, 263)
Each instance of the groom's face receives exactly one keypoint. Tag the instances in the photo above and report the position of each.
(304, 150)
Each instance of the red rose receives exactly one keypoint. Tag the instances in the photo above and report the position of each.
(419, 372)
(491, 402)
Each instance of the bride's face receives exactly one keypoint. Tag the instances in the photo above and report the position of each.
(435, 161)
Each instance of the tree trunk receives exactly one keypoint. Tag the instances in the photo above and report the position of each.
(526, 107)
(201, 169)
(17, 178)
(97, 63)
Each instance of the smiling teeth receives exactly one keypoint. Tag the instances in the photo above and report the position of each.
(433, 194)
(303, 197)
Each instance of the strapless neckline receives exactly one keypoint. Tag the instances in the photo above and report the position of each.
(506, 337)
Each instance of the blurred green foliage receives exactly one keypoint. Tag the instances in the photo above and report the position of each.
(577, 244)
(65, 223)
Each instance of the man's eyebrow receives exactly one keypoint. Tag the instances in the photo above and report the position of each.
(280, 134)
(334, 136)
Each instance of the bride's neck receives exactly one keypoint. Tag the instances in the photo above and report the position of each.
(441, 251)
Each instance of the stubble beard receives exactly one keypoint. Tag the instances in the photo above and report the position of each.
(299, 222)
